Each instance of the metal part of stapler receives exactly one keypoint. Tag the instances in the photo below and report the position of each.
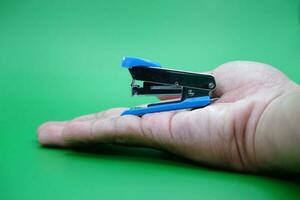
(195, 89)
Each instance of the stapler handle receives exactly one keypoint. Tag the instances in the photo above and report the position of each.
(129, 62)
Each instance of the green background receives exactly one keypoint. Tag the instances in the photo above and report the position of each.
(60, 59)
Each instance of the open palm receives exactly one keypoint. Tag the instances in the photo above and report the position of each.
(221, 135)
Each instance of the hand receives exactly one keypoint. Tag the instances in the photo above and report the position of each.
(221, 135)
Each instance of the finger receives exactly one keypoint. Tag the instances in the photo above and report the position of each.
(49, 132)
(149, 130)
(111, 112)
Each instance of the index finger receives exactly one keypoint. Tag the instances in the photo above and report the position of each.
(148, 130)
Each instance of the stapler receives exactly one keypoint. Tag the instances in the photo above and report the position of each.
(149, 78)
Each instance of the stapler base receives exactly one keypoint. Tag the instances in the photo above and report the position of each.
(189, 103)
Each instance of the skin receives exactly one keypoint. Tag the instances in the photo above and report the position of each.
(252, 127)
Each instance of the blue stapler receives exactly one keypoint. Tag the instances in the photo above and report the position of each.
(149, 78)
